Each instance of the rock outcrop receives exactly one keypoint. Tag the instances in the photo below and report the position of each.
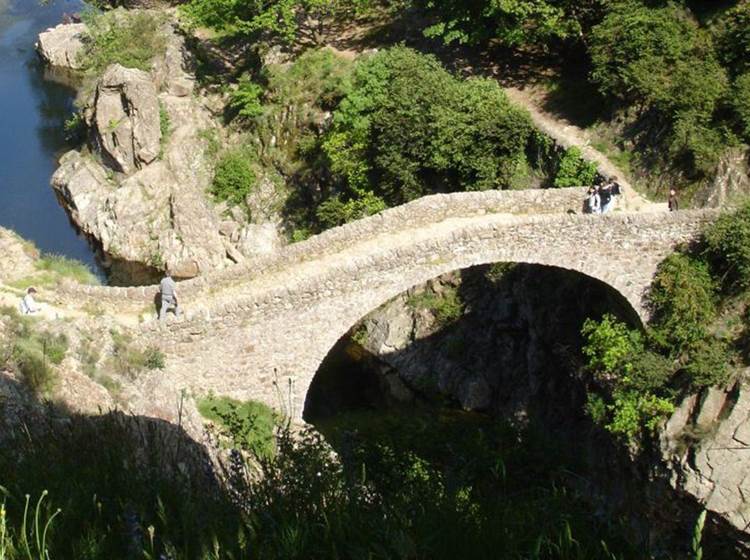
(706, 445)
(62, 45)
(140, 189)
(125, 117)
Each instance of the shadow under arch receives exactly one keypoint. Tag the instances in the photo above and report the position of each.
(579, 295)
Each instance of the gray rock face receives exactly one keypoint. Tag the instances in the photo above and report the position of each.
(706, 445)
(61, 45)
(142, 195)
(125, 118)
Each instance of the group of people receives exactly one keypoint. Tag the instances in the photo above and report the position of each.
(600, 198)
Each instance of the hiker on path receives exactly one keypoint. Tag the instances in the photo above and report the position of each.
(593, 201)
(28, 305)
(168, 292)
(672, 201)
(607, 194)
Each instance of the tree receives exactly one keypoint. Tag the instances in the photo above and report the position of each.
(409, 128)
(512, 24)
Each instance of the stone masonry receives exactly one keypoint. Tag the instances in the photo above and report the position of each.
(260, 331)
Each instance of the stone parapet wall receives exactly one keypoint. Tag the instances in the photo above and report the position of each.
(426, 210)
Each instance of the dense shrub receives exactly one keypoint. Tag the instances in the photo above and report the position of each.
(741, 102)
(728, 248)
(733, 41)
(247, 425)
(446, 306)
(234, 177)
(574, 171)
(708, 363)
(515, 24)
(118, 37)
(610, 344)
(408, 128)
(657, 58)
(682, 300)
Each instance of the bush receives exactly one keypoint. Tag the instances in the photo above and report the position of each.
(249, 425)
(633, 411)
(117, 37)
(408, 128)
(234, 177)
(129, 360)
(728, 248)
(34, 366)
(741, 102)
(446, 306)
(609, 344)
(733, 38)
(682, 301)
(707, 364)
(574, 171)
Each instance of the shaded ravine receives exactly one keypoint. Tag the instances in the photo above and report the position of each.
(33, 109)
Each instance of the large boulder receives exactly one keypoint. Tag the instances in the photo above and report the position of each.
(126, 118)
(148, 218)
(61, 46)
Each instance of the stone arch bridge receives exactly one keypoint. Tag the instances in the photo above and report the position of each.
(260, 330)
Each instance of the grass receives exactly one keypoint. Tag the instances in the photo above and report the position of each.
(32, 352)
(51, 269)
(129, 360)
(119, 37)
(249, 425)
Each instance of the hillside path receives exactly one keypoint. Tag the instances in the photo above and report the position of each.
(566, 134)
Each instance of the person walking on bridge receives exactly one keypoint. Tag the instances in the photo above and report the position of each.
(168, 292)
(672, 201)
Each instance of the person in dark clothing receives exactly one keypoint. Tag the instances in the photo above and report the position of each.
(672, 201)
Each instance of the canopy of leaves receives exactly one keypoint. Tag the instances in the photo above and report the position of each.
(733, 31)
(409, 128)
(512, 24)
(728, 248)
(682, 299)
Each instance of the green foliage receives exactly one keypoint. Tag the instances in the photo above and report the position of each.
(246, 99)
(75, 128)
(733, 38)
(51, 269)
(574, 171)
(728, 248)
(272, 21)
(118, 37)
(659, 59)
(249, 425)
(409, 128)
(446, 306)
(682, 301)
(707, 364)
(234, 177)
(514, 24)
(633, 375)
(439, 485)
(741, 102)
(31, 351)
(609, 344)
(129, 360)
(334, 212)
(633, 411)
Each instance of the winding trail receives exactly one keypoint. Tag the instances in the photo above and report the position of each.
(566, 134)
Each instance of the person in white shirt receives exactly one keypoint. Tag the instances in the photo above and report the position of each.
(28, 305)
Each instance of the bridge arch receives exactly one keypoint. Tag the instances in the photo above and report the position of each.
(273, 328)
(610, 300)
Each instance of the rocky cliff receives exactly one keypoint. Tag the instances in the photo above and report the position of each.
(505, 340)
(138, 186)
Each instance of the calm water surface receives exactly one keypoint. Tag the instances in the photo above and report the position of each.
(32, 112)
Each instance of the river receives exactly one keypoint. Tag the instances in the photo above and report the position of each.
(32, 113)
